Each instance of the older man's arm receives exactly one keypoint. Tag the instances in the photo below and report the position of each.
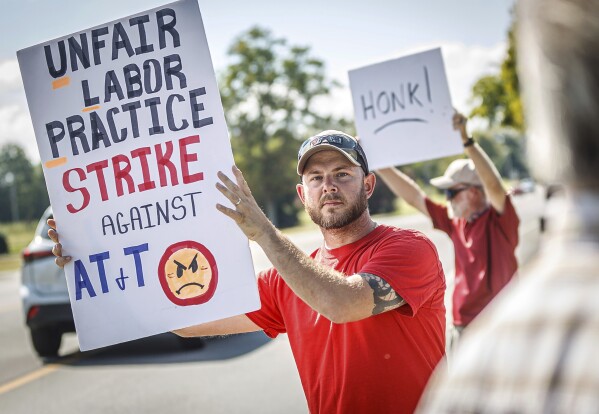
(485, 168)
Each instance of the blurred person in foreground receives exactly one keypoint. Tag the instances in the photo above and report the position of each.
(480, 219)
(534, 350)
(364, 313)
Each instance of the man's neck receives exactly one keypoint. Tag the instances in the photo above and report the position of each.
(334, 238)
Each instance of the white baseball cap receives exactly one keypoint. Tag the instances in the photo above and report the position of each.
(460, 171)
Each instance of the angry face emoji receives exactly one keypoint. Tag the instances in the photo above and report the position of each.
(188, 273)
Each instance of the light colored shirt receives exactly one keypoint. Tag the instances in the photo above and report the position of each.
(536, 348)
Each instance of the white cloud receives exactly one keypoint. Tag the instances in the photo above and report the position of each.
(10, 76)
(15, 123)
(16, 127)
(464, 65)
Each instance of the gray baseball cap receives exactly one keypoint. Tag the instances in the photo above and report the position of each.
(331, 139)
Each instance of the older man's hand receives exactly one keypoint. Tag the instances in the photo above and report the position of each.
(459, 124)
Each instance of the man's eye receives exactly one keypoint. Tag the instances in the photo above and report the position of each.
(316, 178)
(342, 174)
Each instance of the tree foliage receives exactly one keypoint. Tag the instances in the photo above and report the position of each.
(497, 96)
(498, 102)
(506, 147)
(514, 114)
(27, 189)
(268, 94)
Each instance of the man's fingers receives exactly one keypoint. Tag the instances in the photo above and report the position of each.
(53, 235)
(57, 250)
(241, 181)
(228, 182)
(234, 214)
(458, 118)
(62, 261)
(235, 192)
(239, 188)
(233, 198)
(459, 123)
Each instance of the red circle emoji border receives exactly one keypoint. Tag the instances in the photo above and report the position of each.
(162, 274)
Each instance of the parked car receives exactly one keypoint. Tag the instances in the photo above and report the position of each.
(44, 293)
(45, 297)
(524, 186)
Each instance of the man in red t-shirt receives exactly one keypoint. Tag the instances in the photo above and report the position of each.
(364, 313)
(482, 224)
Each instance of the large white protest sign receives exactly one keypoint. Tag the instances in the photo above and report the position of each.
(131, 133)
(403, 110)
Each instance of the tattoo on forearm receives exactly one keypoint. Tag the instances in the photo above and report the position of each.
(385, 298)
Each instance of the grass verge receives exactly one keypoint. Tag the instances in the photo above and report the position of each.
(18, 235)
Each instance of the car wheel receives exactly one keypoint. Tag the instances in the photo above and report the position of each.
(191, 343)
(46, 341)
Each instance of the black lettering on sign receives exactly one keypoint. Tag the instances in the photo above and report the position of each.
(394, 101)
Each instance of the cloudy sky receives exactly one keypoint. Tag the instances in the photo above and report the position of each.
(346, 34)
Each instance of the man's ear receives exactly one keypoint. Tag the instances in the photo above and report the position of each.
(369, 184)
(300, 192)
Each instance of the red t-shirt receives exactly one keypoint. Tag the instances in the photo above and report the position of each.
(379, 364)
(485, 258)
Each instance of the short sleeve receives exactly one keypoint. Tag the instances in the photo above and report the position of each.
(268, 317)
(409, 262)
(439, 216)
(509, 221)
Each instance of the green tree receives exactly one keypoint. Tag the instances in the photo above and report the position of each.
(39, 192)
(26, 189)
(268, 94)
(514, 114)
(497, 96)
(488, 91)
(506, 147)
(498, 101)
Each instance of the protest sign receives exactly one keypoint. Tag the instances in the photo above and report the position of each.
(131, 133)
(403, 110)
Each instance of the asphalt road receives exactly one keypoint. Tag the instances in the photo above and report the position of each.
(238, 374)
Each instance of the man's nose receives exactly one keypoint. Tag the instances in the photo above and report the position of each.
(329, 184)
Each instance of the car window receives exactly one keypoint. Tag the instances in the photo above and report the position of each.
(42, 228)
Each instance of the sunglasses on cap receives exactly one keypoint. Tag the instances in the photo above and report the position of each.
(345, 143)
(451, 193)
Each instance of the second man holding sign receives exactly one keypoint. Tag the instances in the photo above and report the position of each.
(482, 224)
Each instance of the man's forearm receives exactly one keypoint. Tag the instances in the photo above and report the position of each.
(233, 325)
(482, 163)
(404, 187)
(329, 292)
(488, 174)
(484, 166)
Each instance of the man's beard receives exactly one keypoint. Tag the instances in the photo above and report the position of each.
(342, 220)
(457, 211)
